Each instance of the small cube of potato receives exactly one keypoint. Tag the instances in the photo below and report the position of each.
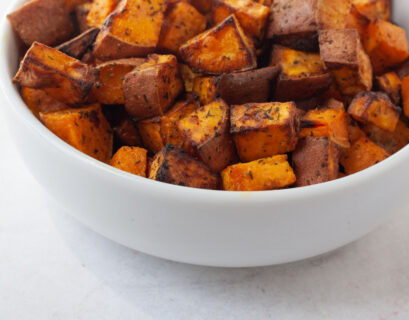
(251, 15)
(386, 45)
(405, 95)
(175, 166)
(152, 87)
(204, 6)
(262, 130)
(344, 56)
(149, 130)
(131, 159)
(330, 122)
(363, 154)
(356, 20)
(38, 100)
(182, 22)
(315, 160)
(390, 83)
(81, 14)
(206, 134)
(85, 129)
(45, 21)
(205, 88)
(169, 129)
(263, 174)
(224, 48)
(188, 76)
(354, 130)
(109, 79)
(302, 76)
(374, 9)
(99, 11)
(376, 108)
(63, 77)
(127, 133)
(391, 141)
(132, 30)
(78, 46)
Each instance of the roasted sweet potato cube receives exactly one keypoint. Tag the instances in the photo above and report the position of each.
(109, 79)
(330, 122)
(354, 130)
(169, 129)
(204, 6)
(315, 160)
(132, 30)
(206, 132)
(376, 108)
(78, 46)
(251, 15)
(85, 129)
(175, 166)
(224, 48)
(188, 76)
(363, 154)
(81, 14)
(149, 130)
(63, 77)
(356, 20)
(391, 141)
(182, 22)
(205, 88)
(390, 83)
(332, 104)
(45, 21)
(99, 11)
(344, 56)
(263, 174)
(386, 45)
(127, 133)
(131, 159)
(302, 76)
(405, 95)
(152, 87)
(262, 130)
(38, 100)
(373, 9)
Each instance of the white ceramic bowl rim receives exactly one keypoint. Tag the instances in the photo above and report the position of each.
(173, 191)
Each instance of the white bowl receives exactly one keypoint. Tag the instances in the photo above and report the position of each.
(214, 228)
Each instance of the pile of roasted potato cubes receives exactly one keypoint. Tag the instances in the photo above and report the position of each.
(238, 95)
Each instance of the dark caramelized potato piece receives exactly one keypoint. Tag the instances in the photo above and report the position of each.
(38, 100)
(315, 160)
(173, 165)
(127, 133)
(376, 108)
(63, 77)
(45, 21)
(204, 6)
(264, 174)
(78, 46)
(131, 159)
(262, 130)
(390, 83)
(224, 48)
(206, 131)
(149, 130)
(152, 87)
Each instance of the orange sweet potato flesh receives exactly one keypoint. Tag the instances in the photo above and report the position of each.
(131, 159)
(390, 83)
(373, 9)
(386, 45)
(356, 20)
(363, 154)
(188, 76)
(99, 11)
(205, 88)
(405, 95)
(38, 100)
(263, 174)
(127, 133)
(85, 129)
(262, 130)
(224, 48)
(150, 133)
(81, 14)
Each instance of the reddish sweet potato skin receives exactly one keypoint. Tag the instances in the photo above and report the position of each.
(79, 45)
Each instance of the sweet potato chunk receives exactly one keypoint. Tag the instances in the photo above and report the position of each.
(206, 131)
(356, 20)
(109, 78)
(344, 56)
(376, 108)
(204, 6)
(354, 131)
(386, 45)
(264, 174)
(251, 15)
(81, 13)
(63, 77)
(85, 129)
(173, 165)
(302, 76)
(206, 89)
(315, 160)
(45, 21)
(127, 133)
(131, 159)
(188, 76)
(374, 9)
(390, 83)
(99, 11)
(38, 100)
(330, 122)
(224, 48)
(150, 134)
(405, 95)
(78, 46)
(152, 87)
(363, 154)
(182, 22)
(261, 130)
(132, 30)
